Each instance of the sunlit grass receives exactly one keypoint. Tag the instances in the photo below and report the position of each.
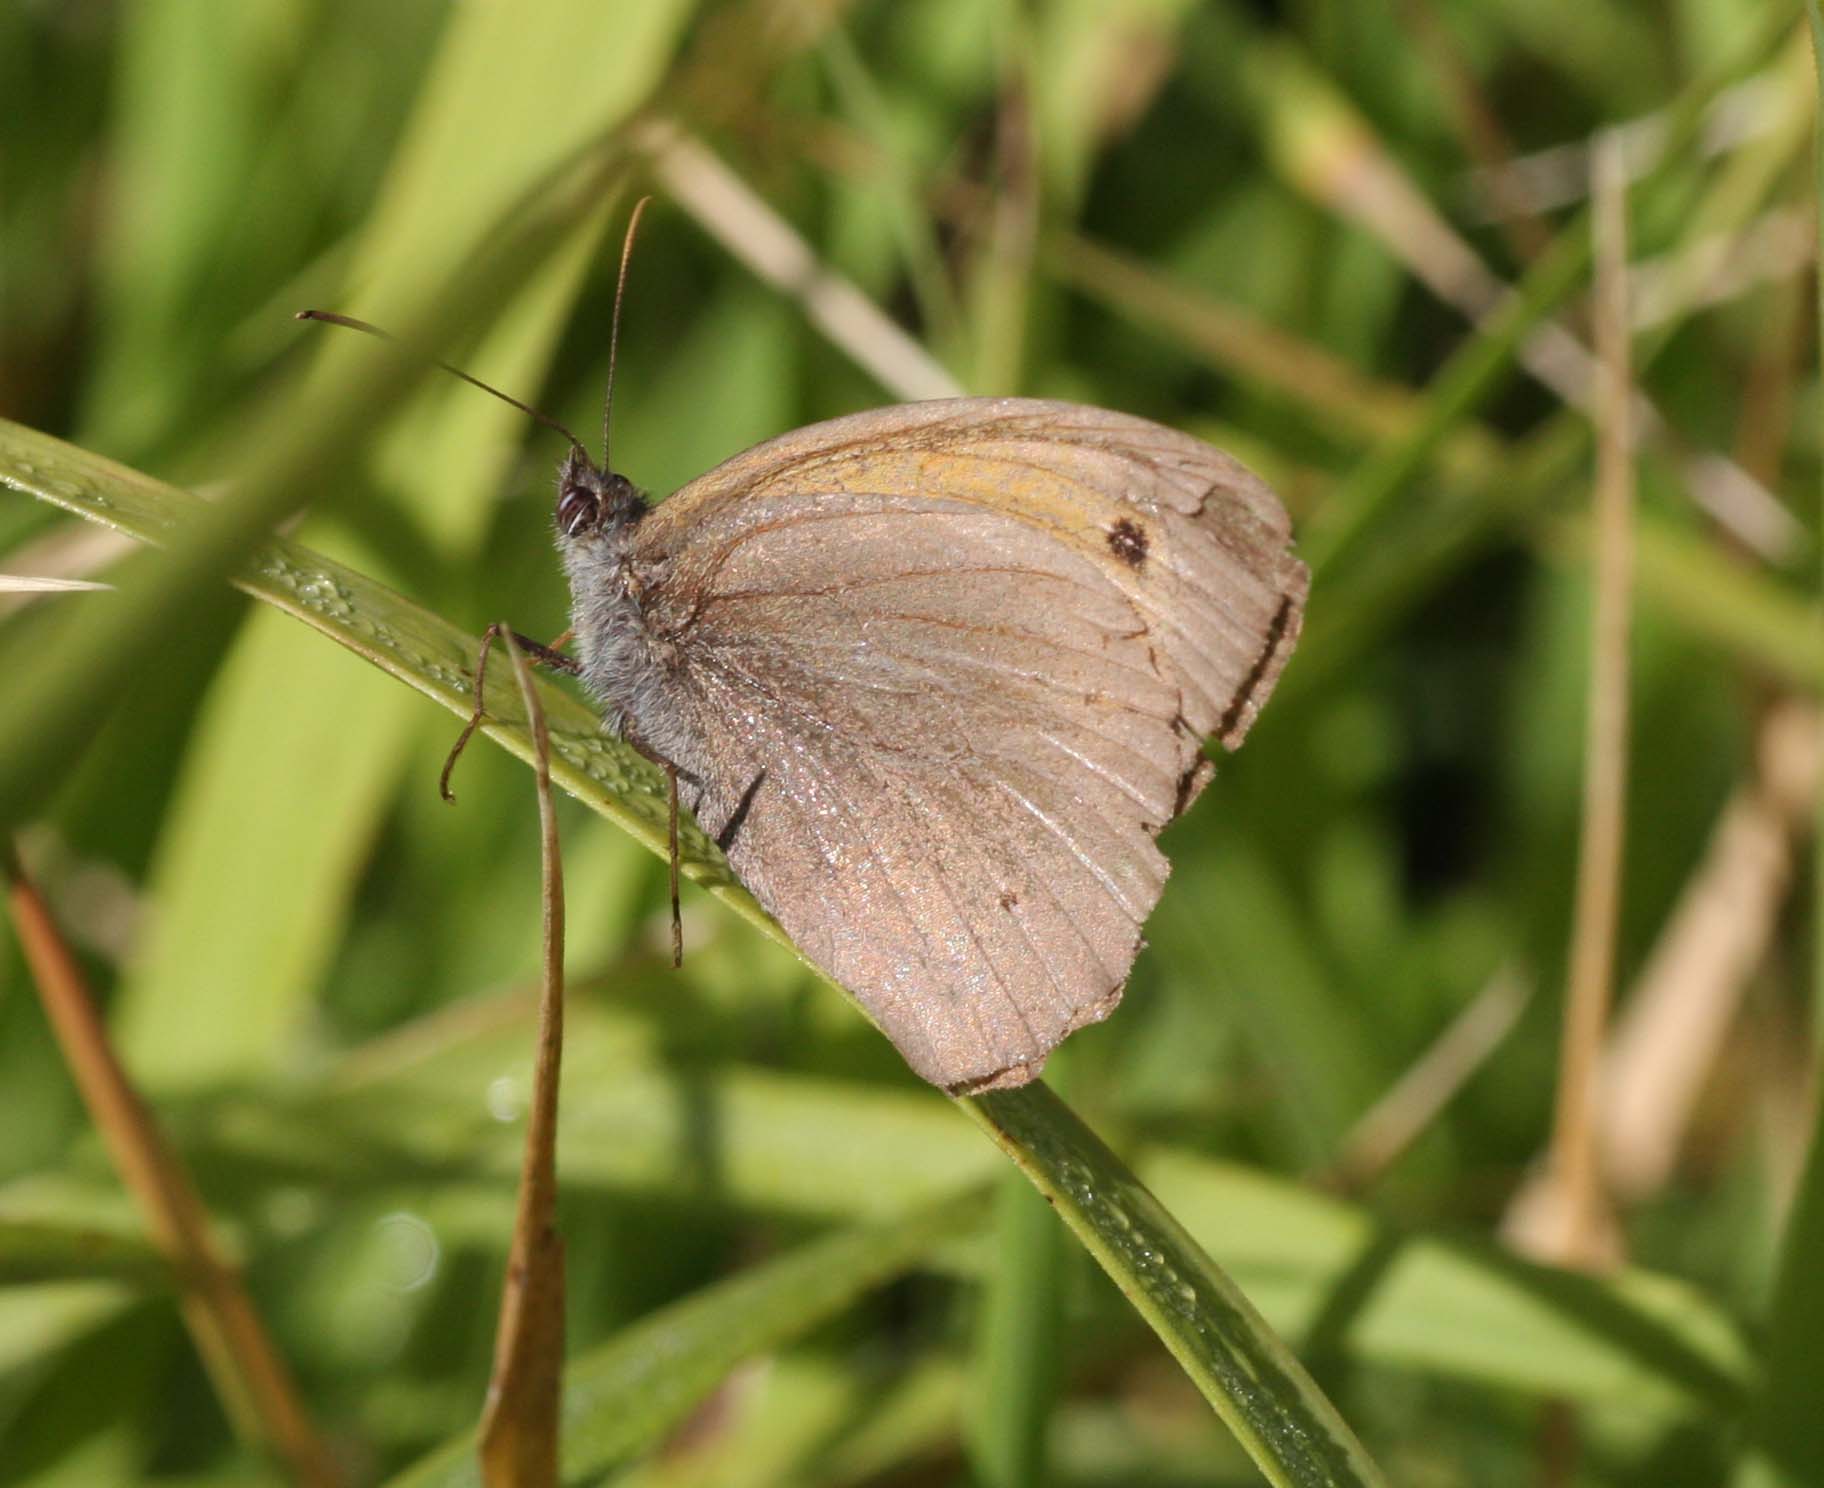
(317, 971)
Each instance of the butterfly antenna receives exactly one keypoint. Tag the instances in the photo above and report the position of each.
(614, 328)
(330, 317)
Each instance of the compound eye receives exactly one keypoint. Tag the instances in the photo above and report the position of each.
(576, 511)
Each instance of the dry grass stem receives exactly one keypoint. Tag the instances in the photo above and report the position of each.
(1776, 246)
(1560, 176)
(1347, 170)
(1667, 1044)
(519, 1425)
(757, 236)
(251, 1379)
(1394, 1122)
(1573, 1160)
(73, 553)
(1238, 341)
(1479, 125)
(31, 584)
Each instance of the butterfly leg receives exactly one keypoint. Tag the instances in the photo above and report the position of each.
(551, 656)
(536, 652)
(671, 781)
(677, 916)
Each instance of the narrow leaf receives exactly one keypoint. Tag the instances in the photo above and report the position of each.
(1247, 1374)
(519, 1429)
(1790, 1427)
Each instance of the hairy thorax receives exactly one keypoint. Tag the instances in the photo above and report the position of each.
(626, 663)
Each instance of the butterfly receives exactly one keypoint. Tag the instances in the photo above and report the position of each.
(935, 677)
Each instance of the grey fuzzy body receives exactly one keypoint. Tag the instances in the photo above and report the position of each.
(629, 667)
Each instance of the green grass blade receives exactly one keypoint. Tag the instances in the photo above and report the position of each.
(401, 638)
(1459, 1307)
(38, 1251)
(225, 979)
(1019, 1344)
(1250, 1377)
(625, 1397)
(1789, 1426)
(66, 689)
(832, 1151)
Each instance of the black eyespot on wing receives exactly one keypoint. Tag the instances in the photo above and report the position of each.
(1127, 540)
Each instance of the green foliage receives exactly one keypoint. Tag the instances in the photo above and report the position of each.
(783, 1266)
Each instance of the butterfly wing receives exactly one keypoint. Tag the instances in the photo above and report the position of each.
(936, 677)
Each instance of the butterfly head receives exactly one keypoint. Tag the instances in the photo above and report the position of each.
(591, 500)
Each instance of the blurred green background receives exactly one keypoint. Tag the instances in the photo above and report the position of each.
(1273, 225)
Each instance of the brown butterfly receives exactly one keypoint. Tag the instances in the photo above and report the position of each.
(935, 677)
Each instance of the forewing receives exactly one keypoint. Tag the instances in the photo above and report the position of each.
(950, 668)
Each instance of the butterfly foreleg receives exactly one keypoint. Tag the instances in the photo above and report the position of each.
(535, 652)
(631, 736)
(551, 656)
